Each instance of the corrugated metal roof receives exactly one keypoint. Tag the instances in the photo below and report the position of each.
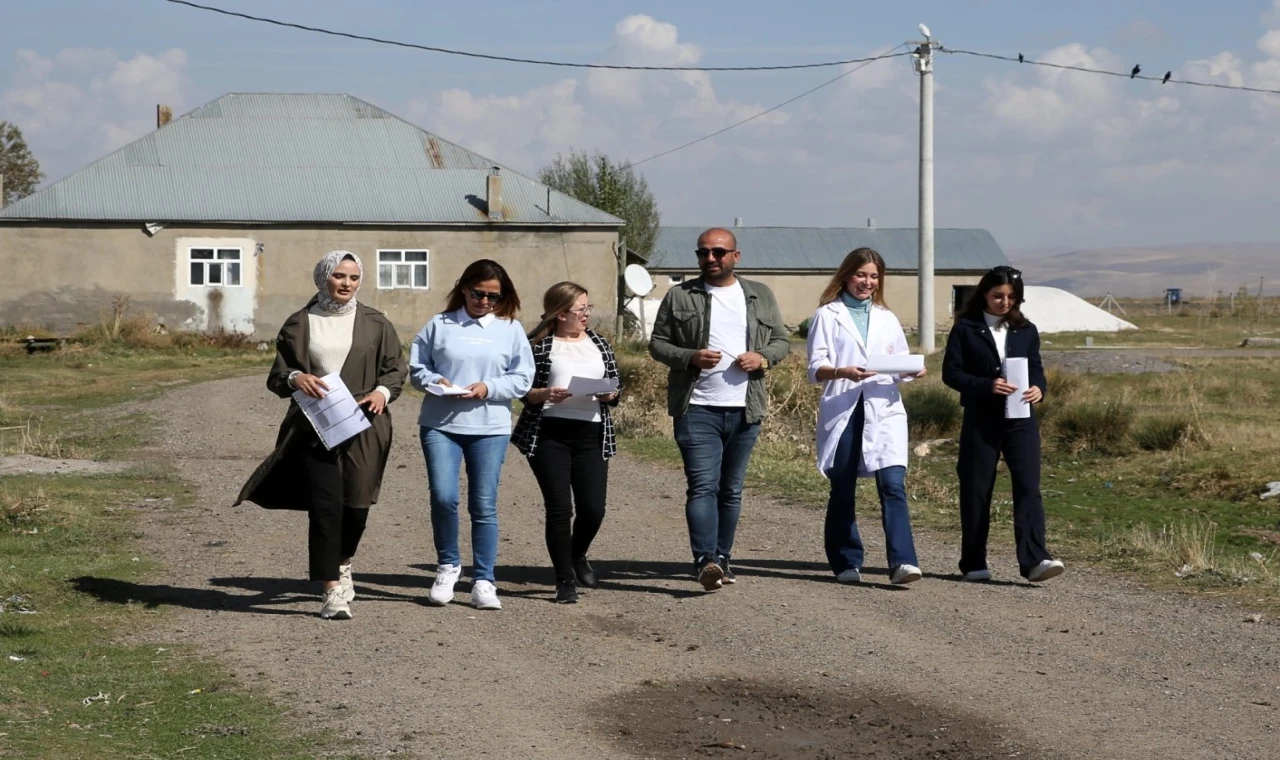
(296, 158)
(823, 248)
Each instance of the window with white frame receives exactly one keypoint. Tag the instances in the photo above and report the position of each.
(215, 267)
(404, 269)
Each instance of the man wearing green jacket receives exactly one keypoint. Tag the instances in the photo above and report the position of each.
(719, 334)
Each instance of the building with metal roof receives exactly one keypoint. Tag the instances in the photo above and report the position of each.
(798, 262)
(239, 197)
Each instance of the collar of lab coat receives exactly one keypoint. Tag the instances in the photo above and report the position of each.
(843, 318)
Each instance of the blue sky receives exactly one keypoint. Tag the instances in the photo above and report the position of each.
(1042, 159)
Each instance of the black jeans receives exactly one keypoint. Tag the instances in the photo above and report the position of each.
(571, 470)
(334, 529)
(984, 435)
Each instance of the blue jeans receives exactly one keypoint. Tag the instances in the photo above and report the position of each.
(484, 455)
(715, 443)
(843, 544)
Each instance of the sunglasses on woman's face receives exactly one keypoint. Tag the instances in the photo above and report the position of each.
(480, 295)
(719, 253)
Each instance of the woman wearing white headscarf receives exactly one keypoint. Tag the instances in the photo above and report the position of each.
(332, 333)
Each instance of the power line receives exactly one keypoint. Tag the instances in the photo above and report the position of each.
(1124, 74)
(888, 54)
(509, 59)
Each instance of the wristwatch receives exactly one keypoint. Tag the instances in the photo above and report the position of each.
(764, 363)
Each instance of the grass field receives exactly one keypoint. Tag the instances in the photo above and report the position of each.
(83, 678)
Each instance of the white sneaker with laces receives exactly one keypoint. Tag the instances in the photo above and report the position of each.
(346, 584)
(484, 596)
(1049, 568)
(903, 574)
(850, 576)
(335, 607)
(442, 590)
(978, 575)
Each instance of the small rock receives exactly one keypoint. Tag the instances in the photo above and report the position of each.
(1273, 489)
(1254, 618)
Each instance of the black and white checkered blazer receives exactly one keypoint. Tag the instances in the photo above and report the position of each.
(525, 434)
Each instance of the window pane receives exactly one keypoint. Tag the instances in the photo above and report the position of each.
(415, 255)
(233, 273)
(385, 276)
(419, 275)
(403, 275)
(388, 255)
(215, 274)
(201, 253)
(197, 273)
(228, 253)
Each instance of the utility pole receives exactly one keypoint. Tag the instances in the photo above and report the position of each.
(622, 291)
(923, 60)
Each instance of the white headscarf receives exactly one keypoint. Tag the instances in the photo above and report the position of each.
(324, 268)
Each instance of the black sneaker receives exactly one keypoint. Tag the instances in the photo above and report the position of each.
(566, 593)
(710, 574)
(585, 573)
(728, 573)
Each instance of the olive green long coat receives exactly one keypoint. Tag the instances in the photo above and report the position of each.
(376, 358)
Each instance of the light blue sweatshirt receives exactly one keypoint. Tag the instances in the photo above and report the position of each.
(466, 350)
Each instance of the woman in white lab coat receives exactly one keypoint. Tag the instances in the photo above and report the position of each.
(862, 424)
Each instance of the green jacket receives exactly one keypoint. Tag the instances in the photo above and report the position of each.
(683, 326)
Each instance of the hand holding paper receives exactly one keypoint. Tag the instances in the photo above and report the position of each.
(436, 389)
(582, 386)
(895, 364)
(1017, 374)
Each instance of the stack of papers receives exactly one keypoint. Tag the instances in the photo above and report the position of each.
(895, 364)
(445, 390)
(337, 416)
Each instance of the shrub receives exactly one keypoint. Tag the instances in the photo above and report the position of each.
(933, 411)
(1093, 426)
(803, 329)
(1165, 433)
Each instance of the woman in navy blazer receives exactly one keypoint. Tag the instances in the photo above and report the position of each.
(990, 329)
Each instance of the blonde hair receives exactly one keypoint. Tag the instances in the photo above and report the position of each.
(558, 299)
(857, 258)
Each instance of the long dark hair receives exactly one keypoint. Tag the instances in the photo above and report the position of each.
(477, 272)
(856, 259)
(994, 278)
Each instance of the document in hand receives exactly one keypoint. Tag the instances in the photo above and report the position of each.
(895, 364)
(1017, 373)
(337, 416)
(582, 386)
(446, 390)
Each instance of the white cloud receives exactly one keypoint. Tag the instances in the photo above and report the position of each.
(81, 103)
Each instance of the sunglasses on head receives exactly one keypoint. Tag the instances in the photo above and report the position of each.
(1013, 274)
(719, 253)
(480, 295)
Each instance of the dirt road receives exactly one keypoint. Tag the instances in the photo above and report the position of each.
(786, 664)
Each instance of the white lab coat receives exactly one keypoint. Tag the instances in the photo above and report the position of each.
(834, 341)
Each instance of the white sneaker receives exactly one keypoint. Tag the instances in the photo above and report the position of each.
(978, 575)
(335, 607)
(442, 589)
(850, 576)
(484, 596)
(346, 584)
(906, 574)
(1049, 568)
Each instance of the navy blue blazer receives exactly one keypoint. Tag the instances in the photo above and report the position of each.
(971, 362)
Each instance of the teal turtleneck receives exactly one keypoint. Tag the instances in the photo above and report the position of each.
(860, 310)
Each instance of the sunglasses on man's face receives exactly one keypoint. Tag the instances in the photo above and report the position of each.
(480, 295)
(719, 253)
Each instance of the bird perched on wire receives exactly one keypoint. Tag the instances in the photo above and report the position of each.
(1136, 70)
(1019, 57)
(1167, 75)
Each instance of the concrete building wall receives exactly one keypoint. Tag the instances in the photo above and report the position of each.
(797, 293)
(63, 277)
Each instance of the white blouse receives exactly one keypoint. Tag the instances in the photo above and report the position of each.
(998, 333)
(569, 359)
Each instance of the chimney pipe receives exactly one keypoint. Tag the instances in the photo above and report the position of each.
(164, 114)
(493, 196)
(737, 221)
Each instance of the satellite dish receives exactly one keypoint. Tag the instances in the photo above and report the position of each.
(638, 280)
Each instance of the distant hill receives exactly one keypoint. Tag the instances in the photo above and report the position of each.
(1146, 272)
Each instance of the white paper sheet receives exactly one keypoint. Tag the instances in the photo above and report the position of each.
(337, 416)
(895, 364)
(445, 390)
(1016, 372)
(584, 386)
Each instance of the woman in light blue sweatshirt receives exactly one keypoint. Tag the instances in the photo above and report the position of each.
(472, 359)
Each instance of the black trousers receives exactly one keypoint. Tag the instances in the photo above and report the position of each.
(572, 472)
(984, 435)
(334, 529)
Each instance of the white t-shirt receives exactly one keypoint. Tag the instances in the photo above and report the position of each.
(569, 359)
(999, 334)
(726, 383)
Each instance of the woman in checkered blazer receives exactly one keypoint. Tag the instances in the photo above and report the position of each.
(568, 440)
